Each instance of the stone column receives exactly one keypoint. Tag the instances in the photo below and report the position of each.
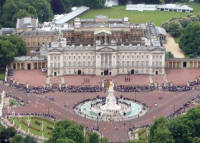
(193, 64)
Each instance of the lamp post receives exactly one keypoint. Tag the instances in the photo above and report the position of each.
(28, 122)
(174, 109)
(42, 128)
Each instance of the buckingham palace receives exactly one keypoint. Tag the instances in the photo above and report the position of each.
(101, 46)
(105, 60)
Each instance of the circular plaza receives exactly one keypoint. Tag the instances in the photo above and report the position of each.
(110, 108)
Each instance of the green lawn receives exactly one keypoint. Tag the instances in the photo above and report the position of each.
(158, 17)
(13, 102)
(2, 76)
(34, 127)
(142, 135)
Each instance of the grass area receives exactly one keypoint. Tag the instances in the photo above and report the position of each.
(35, 125)
(198, 101)
(142, 135)
(2, 75)
(13, 102)
(158, 17)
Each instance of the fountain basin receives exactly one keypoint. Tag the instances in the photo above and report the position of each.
(95, 109)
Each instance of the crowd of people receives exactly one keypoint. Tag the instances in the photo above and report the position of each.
(98, 88)
(76, 89)
(176, 88)
(20, 100)
(182, 88)
(130, 88)
(46, 89)
(46, 115)
(182, 108)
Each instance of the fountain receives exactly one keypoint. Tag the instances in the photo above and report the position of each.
(110, 108)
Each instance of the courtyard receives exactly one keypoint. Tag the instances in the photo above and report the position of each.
(60, 105)
(175, 76)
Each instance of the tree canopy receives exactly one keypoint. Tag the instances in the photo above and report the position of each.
(64, 6)
(10, 47)
(182, 129)
(68, 131)
(13, 9)
(189, 41)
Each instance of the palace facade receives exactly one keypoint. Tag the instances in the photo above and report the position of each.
(103, 46)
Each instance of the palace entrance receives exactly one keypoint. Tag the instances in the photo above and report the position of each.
(132, 71)
(29, 66)
(184, 64)
(156, 72)
(79, 72)
(55, 73)
(106, 72)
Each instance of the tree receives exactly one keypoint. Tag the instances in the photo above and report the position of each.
(189, 41)
(123, 2)
(29, 139)
(57, 6)
(6, 134)
(10, 47)
(9, 9)
(93, 138)
(67, 129)
(196, 140)
(17, 139)
(13, 9)
(104, 140)
(66, 140)
(19, 44)
(180, 130)
(175, 29)
(1, 6)
(43, 9)
(7, 53)
(159, 132)
(169, 55)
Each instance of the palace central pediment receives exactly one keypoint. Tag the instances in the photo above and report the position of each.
(106, 49)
